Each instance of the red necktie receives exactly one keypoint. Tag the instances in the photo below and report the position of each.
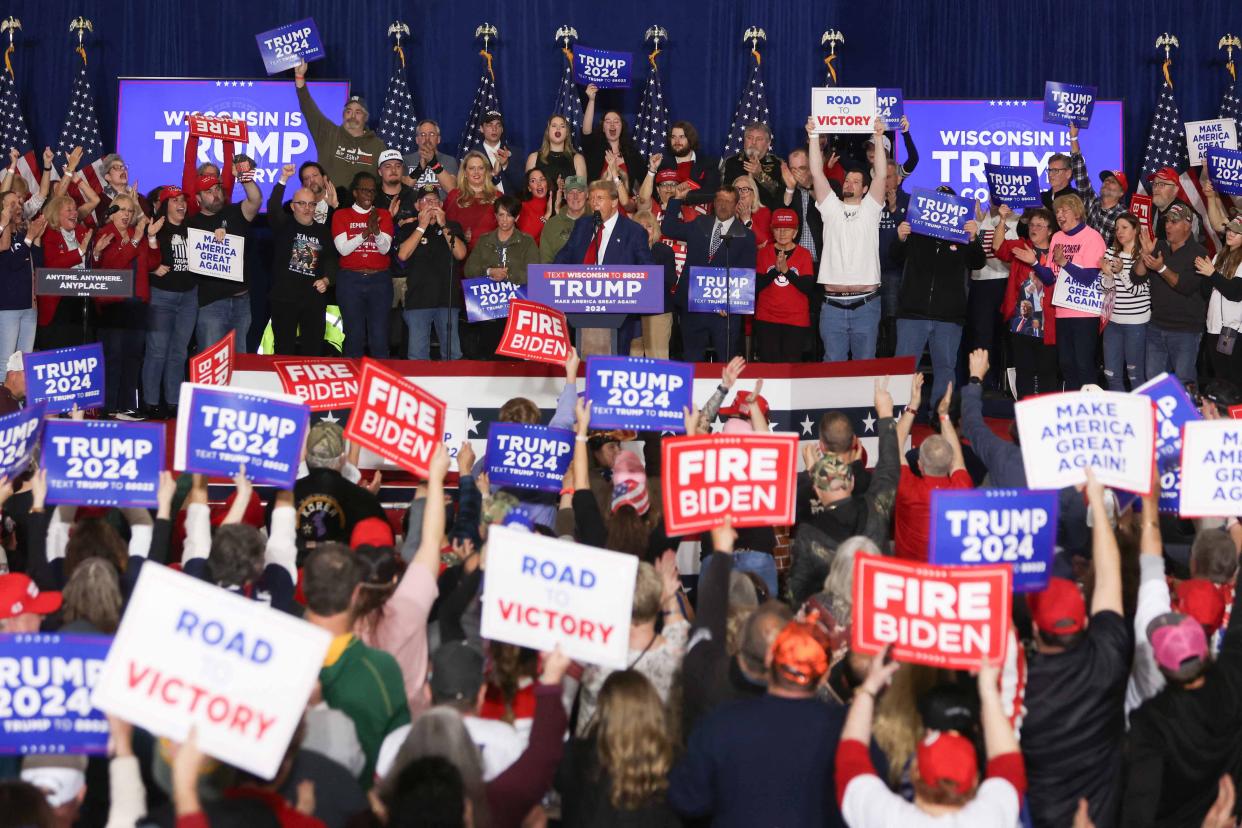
(592, 254)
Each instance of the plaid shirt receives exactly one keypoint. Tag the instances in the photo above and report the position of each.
(1102, 219)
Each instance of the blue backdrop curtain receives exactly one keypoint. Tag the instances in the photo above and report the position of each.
(930, 48)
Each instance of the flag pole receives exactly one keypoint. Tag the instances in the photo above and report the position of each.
(831, 39)
(1230, 42)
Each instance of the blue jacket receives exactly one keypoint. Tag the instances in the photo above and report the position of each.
(628, 244)
(697, 235)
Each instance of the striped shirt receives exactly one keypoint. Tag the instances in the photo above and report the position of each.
(1131, 302)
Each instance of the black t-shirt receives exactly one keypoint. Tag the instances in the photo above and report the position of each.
(433, 276)
(303, 255)
(173, 253)
(328, 506)
(1075, 721)
(234, 222)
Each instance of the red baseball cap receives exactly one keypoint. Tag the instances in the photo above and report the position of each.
(170, 192)
(1059, 609)
(19, 595)
(372, 531)
(1201, 600)
(206, 182)
(784, 217)
(665, 176)
(1165, 174)
(1118, 176)
(797, 653)
(946, 755)
(740, 408)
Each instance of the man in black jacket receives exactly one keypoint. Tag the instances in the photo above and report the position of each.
(683, 155)
(303, 267)
(931, 304)
(800, 197)
(757, 161)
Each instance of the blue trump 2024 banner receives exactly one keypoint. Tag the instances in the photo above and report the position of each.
(219, 430)
(284, 47)
(45, 693)
(597, 288)
(1015, 187)
(714, 289)
(528, 456)
(1068, 103)
(487, 299)
(990, 526)
(66, 376)
(151, 125)
(1174, 409)
(940, 215)
(19, 434)
(889, 107)
(1225, 169)
(607, 70)
(639, 393)
(103, 463)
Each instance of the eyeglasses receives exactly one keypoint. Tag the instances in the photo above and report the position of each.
(1058, 169)
(426, 135)
(116, 167)
(305, 203)
(745, 189)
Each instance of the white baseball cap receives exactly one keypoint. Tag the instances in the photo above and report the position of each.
(888, 145)
(389, 155)
(61, 777)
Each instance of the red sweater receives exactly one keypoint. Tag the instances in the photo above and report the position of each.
(530, 219)
(476, 219)
(56, 254)
(122, 255)
(784, 303)
(1019, 272)
(760, 224)
(352, 223)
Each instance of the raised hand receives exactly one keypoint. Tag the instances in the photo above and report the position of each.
(732, 370)
(883, 399)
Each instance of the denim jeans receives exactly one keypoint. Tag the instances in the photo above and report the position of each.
(420, 320)
(748, 560)
(1125, 355)
(850, 333)
(365, 300)
(1174, 351)
(1076, 338)
(17, 332)
(220, 317)
(913, 335)
(171, 318)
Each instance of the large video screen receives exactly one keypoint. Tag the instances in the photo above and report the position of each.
(956, 138)
(151, 131)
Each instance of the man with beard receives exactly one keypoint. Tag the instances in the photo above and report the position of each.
(224, 305)
(343, 149)
(757, 161)
(1166, 191)
(428, 165)
(363, 236)
(701, 172)
(1102, 208)
(556, 231)
(313, 178)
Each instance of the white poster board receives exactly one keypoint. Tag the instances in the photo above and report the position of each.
(1201, 135)
(189, 654)
(843, 109)
(222, 258)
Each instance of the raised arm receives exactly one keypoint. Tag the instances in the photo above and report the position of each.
(948, 432)
(588, 114)
(254, 197)
(879, 165)
(815, 157)
(428, 554)
(906, 421)
(1104, 552)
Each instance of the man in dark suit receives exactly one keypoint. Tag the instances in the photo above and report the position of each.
(800, 197)
(699, 170)
(614, 240)
(718, 240)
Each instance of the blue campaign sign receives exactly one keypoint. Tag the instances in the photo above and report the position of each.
(713, 289)
(1225, 170)
(45, 693)
(285, 46)
(151, 127)
(1068, 103)
(103, 463)
(597, 288)
(218, 430)
(66, 376)
(1174, 409)
(639, 393)
(487, 299)
(528, 456)
(889, 107)
(991, 526)
(940, 215)
(19, 434)
(1015, 187)
(607, 70)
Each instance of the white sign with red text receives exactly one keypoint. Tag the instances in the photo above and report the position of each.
(843, 109)
(323, 384)
(189, 654)
(751, 477)
(214, 366)
(535, 332)
(944, 616)
(540, 592)
(395, 418)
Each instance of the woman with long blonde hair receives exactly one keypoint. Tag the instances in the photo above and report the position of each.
(556, 156)
(618, 773)
(471, 203)
(750, 211)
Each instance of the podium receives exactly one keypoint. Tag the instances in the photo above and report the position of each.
(597, 299)
(596, 333)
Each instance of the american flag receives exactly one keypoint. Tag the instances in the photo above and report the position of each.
(485, 100)
(1166, 147)
(397, 121)
(81, 129)
(1230, 106)
(651, 127)
(568, 105)
(752, 107)
(13, 133)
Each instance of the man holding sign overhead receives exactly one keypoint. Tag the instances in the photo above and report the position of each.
(849, 267)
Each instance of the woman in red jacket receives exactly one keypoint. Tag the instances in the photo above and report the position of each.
(66, 246)
(122, 245)
(1027, 309)
(537, 204)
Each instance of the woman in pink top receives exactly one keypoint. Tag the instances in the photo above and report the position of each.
(391, 608)
(1077, 298)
